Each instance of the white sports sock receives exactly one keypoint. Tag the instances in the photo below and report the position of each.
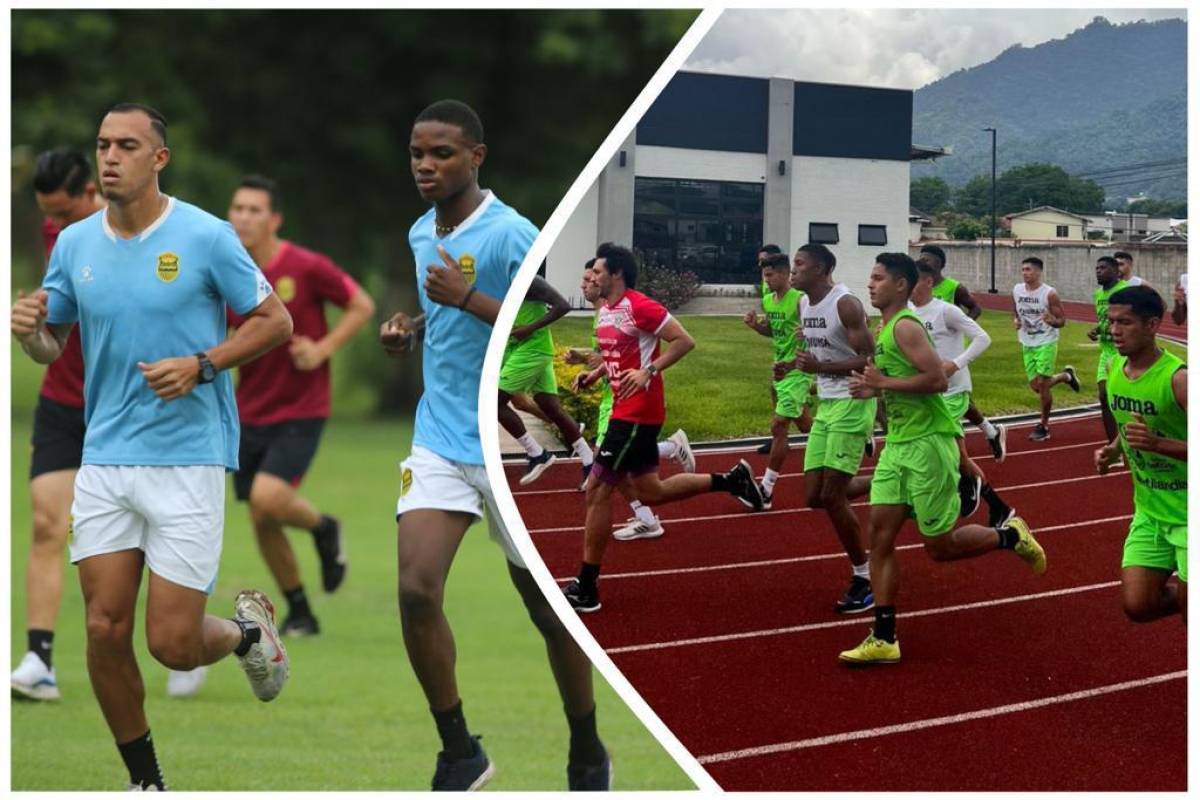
(989, 430)
(644, 514)
(667, 449)
(769, 478)
(862, 570)
(583, 451)
(532, 448)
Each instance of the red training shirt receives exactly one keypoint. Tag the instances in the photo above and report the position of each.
(627, 333)
(270, 388)
(63, 381)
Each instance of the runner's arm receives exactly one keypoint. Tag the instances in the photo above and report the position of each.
(359, 311)
(964, 300)
(978, 338)
(399, 334)
(1056, 315)
(914, 344)
(541, 291)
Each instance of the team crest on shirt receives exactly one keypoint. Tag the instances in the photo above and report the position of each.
(168, 267)
(85, 274)
(286, 289)
(405, 481)
(466, 262)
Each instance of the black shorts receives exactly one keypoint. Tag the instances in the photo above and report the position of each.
(628, 448)
(284, 449)
(57, 437)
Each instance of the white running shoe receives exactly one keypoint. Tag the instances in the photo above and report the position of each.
(636, 529)
(182, 683)
(266, 662)
(137, 787)
(683, 456)
(33, 680)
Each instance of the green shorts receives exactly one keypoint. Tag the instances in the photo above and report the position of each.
(1040, 359)
(1155, 544)
(792, 394)
(839, 434)
(1107, 353)
(528, 374)
(957, 404)
(606, 404)
(923, 475)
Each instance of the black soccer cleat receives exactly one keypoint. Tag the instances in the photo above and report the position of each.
(743, 486)
(328, 538)
(534, 467)
(969, 487)
(857, 599)
(297, 626)
(463, 774)
(583, 600)
(1040, 433)
(999, 444)
(1072, 378)
(590, 777)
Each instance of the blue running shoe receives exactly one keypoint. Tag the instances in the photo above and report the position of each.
(463, 774)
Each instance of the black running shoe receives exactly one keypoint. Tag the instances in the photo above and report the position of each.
(463, 774)
(764, 448)
(328, 538)
(969, 487)
(1072, 378)
(743, 486)
(584, 601)
(869, 447)
(857, 599)
(999, 443)
(534, 467)
(300, 626)
(1040, 433)
(590, 777)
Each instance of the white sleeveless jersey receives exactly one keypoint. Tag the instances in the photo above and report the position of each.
(947, 325)
(827, 340)
(1034, 330)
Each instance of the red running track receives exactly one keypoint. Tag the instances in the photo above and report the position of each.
(1010, 681)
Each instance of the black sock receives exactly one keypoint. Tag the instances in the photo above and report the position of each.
(452, 728)
(885, 623)
(720, 482)
(998, 507)
(250, 635)
(1008, 538)
(141, 762)
(297, 602)
(589, 574)
(324, 526)
(586, 747)
(42, 643)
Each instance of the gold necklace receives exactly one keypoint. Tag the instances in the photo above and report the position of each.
(441, 229)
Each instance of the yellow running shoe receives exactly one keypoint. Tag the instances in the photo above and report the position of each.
(872, 651)
(1027, 547)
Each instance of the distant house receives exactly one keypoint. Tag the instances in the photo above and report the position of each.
(917, 220)
(1123, 226)
(1047, 223)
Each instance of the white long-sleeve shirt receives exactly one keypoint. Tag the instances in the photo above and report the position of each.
(948, 326)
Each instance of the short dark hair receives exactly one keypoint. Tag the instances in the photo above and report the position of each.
(1107, 260)
(619, 259)
(823, 255)
(61, 168)
(776, 261)
(263, 183)
(1121, 254)
(899, 265)
(157, 121)
(457, 113)
(1143, 301)
(934, 250)
(924, 268)
(1037, 262)
(589, 263)
(769, 249)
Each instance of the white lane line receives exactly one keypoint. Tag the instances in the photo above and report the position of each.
(774, 562)
(864, 471)
(815, 626)
(861, 504)
(933, 722)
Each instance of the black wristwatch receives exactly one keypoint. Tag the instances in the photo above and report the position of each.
(208, 373)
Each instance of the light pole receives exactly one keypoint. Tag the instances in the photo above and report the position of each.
(992, 290)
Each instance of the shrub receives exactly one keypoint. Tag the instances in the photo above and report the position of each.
(669, 287)
(583, 407)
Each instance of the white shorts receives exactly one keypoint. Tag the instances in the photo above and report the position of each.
(428, 481)
(175, 515)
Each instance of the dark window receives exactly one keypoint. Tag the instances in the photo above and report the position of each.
(1061, 231)
(875, 235)
(708, 227)
(822, 233)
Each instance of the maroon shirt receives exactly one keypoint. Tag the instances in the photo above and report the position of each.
(63, 381)
(270, 388)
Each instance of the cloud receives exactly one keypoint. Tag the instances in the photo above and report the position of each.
(899, 48)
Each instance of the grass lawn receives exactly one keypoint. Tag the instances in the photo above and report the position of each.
(352, 715)
(721, 389)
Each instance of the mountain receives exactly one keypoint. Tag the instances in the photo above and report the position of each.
(1105, 96)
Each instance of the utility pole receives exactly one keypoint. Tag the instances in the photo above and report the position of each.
(992, 290)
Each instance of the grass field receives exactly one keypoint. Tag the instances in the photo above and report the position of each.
(721, 389)
(352, 715)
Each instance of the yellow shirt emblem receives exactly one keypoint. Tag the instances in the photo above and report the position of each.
(168, 267)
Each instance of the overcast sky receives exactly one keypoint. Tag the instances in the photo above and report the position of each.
(902, 49)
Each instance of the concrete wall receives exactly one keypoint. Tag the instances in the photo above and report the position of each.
(1070, 268)
(699, 165)
(574, 246)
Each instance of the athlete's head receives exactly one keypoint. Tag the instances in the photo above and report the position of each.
(615, 270)
(131, 149)
(63, 186)
(446, 150)
(1124, 264)
(812, 265)
(255, 210)
(767, 250)
(1031, 270)
(1107, 271)
(591, 292)
(935, 256)
(1134, 316)
(775, 272)
(922, 291)
(892, 280)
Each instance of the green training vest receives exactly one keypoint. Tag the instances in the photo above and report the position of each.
(1101, 296)
(909, 416)
(541, 342)
(945, 290)
(784, 318)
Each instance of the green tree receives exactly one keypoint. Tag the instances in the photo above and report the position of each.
(975, 197)
(967, 229)
(930, 194)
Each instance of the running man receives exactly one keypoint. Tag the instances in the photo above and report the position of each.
(1108, 275)
(528, 368)
(148, 281)
(918, 471)
(1038, 315)
(1179, 311)
(283, 397)
(1147, 391)
(629, 330)
(644, 524)
(760, 258)
(1125, 266)
(951, 291)
(467, 249)
(781, 307)
(834, 327)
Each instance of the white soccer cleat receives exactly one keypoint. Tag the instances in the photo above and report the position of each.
(636, 529)
(683, 456)
(185, 683)
(266, 662)
(33, 680)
